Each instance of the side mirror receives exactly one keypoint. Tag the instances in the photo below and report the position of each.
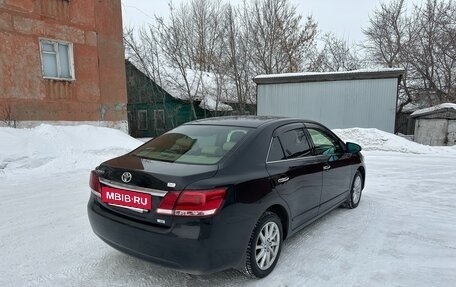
(352, 147)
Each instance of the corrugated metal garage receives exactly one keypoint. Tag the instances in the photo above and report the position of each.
(359, 98)
(436, 125)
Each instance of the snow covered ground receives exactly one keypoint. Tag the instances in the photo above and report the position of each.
(402, 234)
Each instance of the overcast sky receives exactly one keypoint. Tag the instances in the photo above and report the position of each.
(345, 18)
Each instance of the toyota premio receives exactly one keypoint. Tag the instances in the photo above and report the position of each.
(223, 192)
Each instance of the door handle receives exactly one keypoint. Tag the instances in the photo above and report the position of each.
(326, 167)
(283, 179)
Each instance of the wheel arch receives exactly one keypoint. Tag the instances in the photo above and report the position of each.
(283, 215)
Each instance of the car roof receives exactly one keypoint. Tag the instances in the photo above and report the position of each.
(245, 121)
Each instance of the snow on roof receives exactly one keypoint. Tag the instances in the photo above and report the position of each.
(202, 86)
(175, 84)
(329, 73)
(433, 109)
(410, 108)
(210, 104)
(380, 73)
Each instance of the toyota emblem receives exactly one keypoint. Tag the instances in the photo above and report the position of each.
(126, 177)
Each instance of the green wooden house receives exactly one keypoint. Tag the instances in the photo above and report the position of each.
(152, 111)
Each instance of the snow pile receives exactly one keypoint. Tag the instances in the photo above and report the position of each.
(434, 109)
(374, 139)
(48, 147)
(62, 148)
(402, 233)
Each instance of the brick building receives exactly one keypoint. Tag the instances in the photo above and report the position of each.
(62, 61)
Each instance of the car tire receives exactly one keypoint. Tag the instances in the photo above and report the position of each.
(355, 191)
(264, 247)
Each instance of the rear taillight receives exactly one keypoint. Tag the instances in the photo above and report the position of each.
(94, 183)
(167, 203)
(192, 202)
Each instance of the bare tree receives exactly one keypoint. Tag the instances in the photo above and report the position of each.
(422, 42)
(335, 56)
(208, 33)
(238, 58)
(142, 51)
(433, 59)
(388, 39)
(177, 51)
(211, 45)
(277, 39)
(387, 33)
(175, 41)
(232, 43)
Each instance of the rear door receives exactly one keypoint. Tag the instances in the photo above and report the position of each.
(296, 175)
(335, 165)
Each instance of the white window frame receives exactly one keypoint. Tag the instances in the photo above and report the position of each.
(55, 43)
(139, 120)
(156, 112)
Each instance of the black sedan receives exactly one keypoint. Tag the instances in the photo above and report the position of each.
(223, 192)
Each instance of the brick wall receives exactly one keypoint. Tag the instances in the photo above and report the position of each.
(94, 27)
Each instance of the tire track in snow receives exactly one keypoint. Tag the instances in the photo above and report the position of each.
(335, 254)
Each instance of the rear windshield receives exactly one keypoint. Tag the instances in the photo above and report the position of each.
(193, 144)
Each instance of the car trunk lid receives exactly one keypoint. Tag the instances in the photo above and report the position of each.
(139, 180)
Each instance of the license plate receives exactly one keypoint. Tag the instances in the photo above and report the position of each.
(125, 198)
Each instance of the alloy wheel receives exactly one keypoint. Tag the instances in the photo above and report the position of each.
(357, 187)
(267, 245)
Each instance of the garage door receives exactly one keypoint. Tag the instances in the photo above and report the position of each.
(451, 132)
(431, 131)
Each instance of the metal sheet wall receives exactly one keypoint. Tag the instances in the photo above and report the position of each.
(431, 131)
(337, 104)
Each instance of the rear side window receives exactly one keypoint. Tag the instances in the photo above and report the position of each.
(193, 144)
(275, 152)
(295, 144)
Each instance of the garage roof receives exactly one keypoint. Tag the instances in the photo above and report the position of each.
(445, 107)
(329, 76)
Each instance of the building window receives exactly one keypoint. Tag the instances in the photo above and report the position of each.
(142, 120)
(159, 120)
(57, 59)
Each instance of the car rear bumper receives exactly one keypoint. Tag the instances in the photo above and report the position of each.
(196, 246)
